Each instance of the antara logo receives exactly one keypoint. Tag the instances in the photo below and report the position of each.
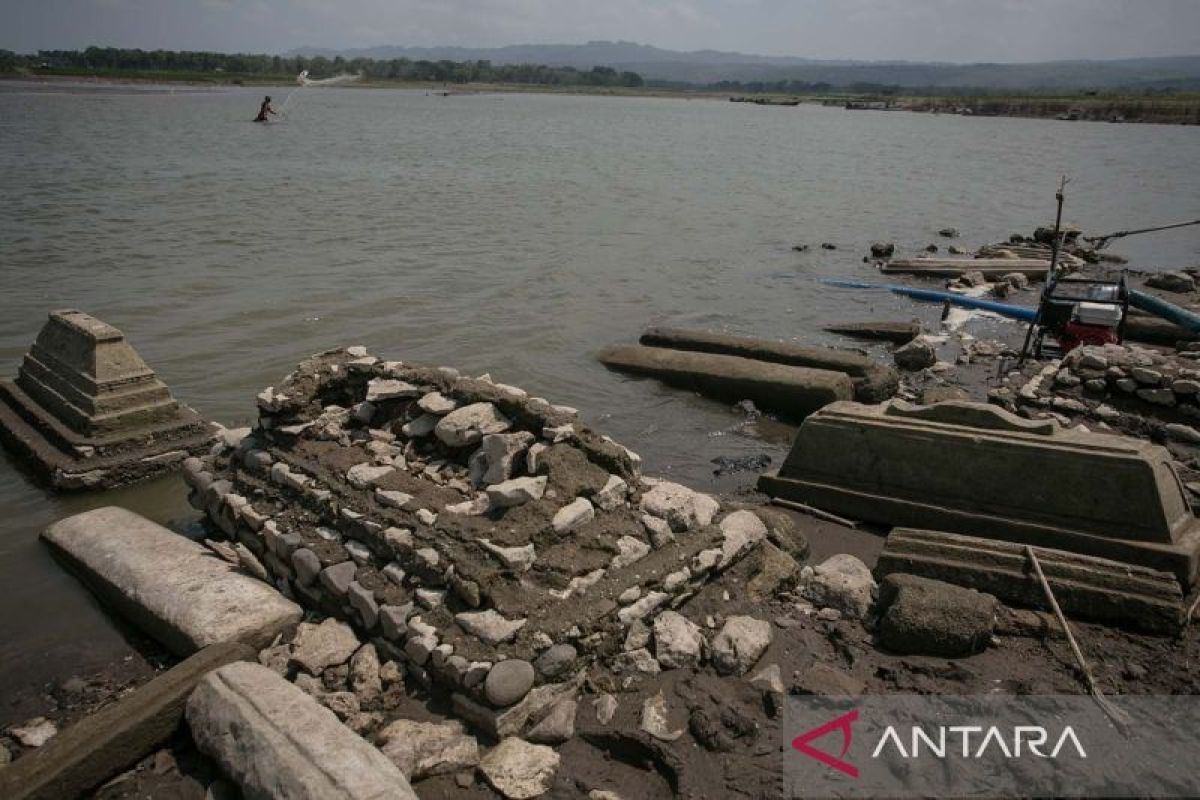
(969, 741)
(844, 724)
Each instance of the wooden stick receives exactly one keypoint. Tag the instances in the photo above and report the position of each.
(814, 512)
(1118, 717)
(1191, 610)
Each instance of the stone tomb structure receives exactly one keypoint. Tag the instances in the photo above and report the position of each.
(86, 411)
(976, 469)
(482, 538)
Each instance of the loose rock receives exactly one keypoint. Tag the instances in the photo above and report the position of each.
(929, 617)
(325, 645)
(740, 643)
(556, 660)
(654, 719)
(518, 769)
(917, 354)
(34, 733)
(842, 582)
(469, 424)
(573, 515)
(424, 749)
(678, 642)
(489, 625)
(556, 727)
(1179, 282)
(682, 508)
(508, 682)
(516, 491)
(365, 680)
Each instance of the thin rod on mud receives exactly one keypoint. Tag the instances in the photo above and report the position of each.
(813, 512)
(1116, 715)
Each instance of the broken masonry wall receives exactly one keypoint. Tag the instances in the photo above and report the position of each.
(459, 524)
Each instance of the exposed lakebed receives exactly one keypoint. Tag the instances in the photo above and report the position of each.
(504, 233)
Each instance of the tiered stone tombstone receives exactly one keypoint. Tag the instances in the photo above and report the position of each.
(86, 412)
(976, 469)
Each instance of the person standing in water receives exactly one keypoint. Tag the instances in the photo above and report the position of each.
(265, 109)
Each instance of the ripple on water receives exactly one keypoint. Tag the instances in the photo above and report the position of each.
(510, 234)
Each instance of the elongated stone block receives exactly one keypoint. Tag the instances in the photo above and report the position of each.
(117, 736)
(994, 268)
(277, 742)
(174, 589)
(1086, 587)
(976, 469)
(873, 382)
(896, 332)
(791, 391)
(87, 412)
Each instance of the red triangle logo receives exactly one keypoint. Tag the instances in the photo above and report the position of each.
(843, 724)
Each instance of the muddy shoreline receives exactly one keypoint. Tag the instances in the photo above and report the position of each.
(732, 736)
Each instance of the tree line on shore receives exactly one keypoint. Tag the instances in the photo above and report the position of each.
(869, 88)
(113, 60)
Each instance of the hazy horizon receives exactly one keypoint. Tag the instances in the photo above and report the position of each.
(952, 31)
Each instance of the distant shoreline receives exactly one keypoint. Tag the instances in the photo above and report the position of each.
(1180, 109)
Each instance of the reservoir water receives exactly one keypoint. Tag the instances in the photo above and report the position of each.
(507, 233)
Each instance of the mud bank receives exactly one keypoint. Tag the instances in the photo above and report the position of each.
(642, 648)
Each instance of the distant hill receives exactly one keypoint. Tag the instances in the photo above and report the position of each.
(706, 67)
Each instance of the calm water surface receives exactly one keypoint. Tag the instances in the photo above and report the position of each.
(511, 234)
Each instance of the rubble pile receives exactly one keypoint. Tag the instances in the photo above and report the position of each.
(1136, 390)
(457, 535)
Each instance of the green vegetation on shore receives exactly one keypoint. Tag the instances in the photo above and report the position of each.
(111, 62)
(115, 64)
(1172, 108)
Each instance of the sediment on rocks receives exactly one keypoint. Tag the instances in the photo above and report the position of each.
(86, 412)
(456, 540)
(787, 390)
(501, 555)
(83, 756)
(873, 382)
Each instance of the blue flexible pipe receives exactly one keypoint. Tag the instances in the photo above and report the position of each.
(1022, 313)
(1168, 311)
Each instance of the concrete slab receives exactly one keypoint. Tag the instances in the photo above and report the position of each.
(1086, 587)
(117, 736)
(1032, 268)
(87, 412)
(174, 589)
(793, 391)
(873, 381)
(975, 469)
(276, 741)
(895, 332)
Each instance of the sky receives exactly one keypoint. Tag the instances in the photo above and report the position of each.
(917, 30)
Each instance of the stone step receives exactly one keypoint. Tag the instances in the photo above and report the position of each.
(148, 409)
(1086, 587)
(91, 399)
(975, 469)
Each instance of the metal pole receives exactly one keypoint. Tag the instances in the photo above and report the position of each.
(1054, 246)
(1047, 285)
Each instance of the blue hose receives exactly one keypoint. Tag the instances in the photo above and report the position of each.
(1168, 311)
(1022, 313)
